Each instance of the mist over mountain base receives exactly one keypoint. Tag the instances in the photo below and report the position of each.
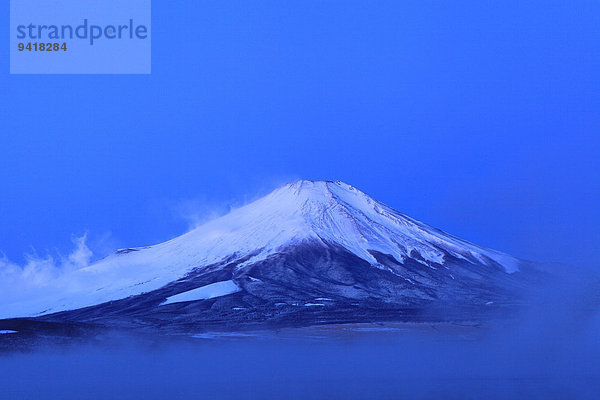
(547, 350)
(364, 361)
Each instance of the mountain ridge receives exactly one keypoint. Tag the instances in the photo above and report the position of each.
(304, 240)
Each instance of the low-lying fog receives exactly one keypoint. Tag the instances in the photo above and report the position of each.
(552, 351)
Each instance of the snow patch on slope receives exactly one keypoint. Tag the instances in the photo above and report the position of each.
(211, 291)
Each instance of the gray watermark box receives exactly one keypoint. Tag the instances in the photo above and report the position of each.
(80, 36)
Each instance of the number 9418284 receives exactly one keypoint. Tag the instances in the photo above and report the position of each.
(35, 46)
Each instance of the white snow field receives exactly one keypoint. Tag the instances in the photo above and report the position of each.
(211, 291)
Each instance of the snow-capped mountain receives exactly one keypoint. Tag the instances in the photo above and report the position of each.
(310, 250)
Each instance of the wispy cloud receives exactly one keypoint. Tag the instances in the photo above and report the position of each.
(197, 211)
(40, 272)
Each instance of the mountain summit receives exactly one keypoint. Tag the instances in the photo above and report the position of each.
(308, 251)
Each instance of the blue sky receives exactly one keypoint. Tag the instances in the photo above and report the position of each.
(480, 118)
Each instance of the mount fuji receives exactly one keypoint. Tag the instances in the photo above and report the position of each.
(309, 253)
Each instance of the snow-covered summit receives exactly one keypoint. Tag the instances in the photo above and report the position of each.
(332, 213)
(339, 213)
